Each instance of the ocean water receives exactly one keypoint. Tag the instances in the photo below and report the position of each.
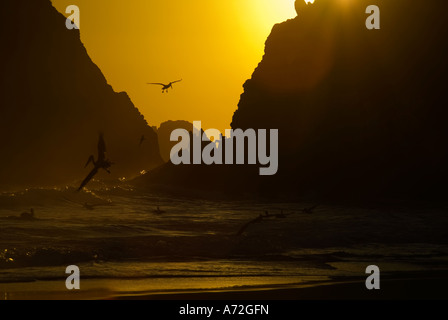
(122, 245)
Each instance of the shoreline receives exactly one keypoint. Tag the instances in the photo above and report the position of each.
(406, 288)
(392, 289)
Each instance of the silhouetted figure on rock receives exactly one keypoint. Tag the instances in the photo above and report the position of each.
(101, 163)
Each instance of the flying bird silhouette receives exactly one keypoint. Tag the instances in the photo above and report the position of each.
(165, 87)
(101, 163)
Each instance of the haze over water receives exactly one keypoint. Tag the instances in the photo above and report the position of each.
(123, 246)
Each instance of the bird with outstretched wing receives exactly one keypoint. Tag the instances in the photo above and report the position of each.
(165, 87)
(101, 163)
(88, 178)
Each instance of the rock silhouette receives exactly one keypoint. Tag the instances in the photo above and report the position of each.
(164, 134)
(361, 113)
(358, 111)
(55, 100)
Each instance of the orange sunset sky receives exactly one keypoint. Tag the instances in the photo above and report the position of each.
(213, 45)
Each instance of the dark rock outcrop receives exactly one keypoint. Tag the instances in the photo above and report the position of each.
(55, 101)
(164, 134)
(359, 112)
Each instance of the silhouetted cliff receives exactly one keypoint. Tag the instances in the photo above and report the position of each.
(358, 111)
(164, 135)
(55, 101)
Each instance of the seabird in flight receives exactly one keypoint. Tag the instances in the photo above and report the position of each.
(101, 163)
(165, 87)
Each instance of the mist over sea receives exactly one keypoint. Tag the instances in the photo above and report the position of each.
(158, 243)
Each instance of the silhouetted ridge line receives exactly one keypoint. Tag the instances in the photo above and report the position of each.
(359, 111)
(54, 99)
